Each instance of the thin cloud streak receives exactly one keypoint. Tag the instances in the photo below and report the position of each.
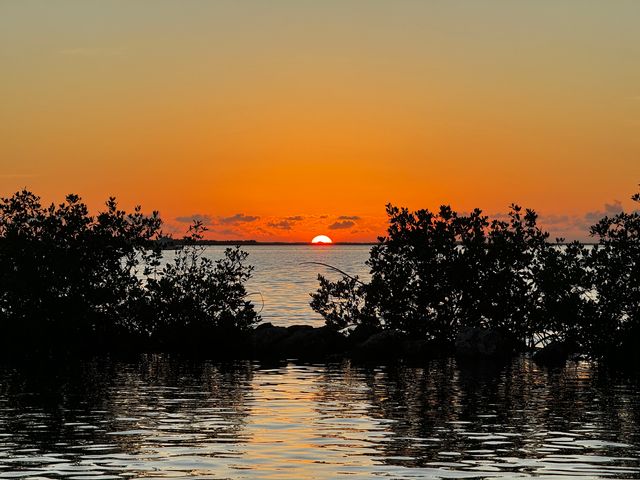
(282, 225)
(237, 219)
(341, 225)
(196, 217)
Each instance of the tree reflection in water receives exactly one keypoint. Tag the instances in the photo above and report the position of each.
(167, 416)
(147, 408)
(514, 417)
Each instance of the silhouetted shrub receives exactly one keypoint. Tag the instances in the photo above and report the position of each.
(72, 280)
(436, 273)
(65, 275)
(614, 268)
(565, 296)
(342, 303)
(500, 264)
(194, 298)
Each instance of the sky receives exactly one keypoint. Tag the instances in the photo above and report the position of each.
(280, 120)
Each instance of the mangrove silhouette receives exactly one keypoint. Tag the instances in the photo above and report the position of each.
(490, 288)
(72, 281)
(441, 283)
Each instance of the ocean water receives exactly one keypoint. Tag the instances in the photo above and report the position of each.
(283, 277)
(166, 417)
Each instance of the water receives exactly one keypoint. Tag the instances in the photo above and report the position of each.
(284, 278)
(168, 417)
(164, 417)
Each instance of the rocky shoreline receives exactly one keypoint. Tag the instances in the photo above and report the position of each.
(306, 342)
(268, 342)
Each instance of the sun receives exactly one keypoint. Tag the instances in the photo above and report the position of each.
(321, 240)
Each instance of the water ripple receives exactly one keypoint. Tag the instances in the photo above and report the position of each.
(161, 417)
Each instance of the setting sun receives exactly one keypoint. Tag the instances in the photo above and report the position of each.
(321, 239)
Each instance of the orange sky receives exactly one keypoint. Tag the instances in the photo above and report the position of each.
(283, 120)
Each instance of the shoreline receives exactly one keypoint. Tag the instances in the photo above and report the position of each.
(306, 343)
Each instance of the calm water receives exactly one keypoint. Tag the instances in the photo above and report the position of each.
(169, 418)
(166, 417)
(284, 281)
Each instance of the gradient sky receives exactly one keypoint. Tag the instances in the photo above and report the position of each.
(280, 120)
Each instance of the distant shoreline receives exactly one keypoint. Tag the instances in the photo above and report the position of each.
(174, 243)
(180, 242)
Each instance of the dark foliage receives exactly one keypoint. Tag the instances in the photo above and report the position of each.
(65, 274)
(70, 280)
(437, 273)
(614, 270)
(194, 299)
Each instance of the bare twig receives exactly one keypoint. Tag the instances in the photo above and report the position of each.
(334, 268)
(261, 299)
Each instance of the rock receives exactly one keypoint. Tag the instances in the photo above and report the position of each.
(296, 341)
(417, 350)
(384, 345)
(296, 328)
(266, 338)
(482, 343)
(311, 343)
(555, 353)
(361, 333)
(264, 325)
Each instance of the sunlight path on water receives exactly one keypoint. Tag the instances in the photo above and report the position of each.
(160, 417)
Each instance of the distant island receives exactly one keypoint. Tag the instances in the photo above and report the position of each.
(168, 243)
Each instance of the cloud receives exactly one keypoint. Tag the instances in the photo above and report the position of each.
(285, 223)
(226, 231)
(341, 225)
(237, 219)
(592, 217)
(613, 208)
(281, 225)
(554, 219)
(610, 209)
(577, 227)
(348, 217)
(196, 217)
